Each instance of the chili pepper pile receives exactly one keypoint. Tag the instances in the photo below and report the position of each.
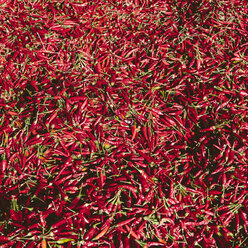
(123, 123)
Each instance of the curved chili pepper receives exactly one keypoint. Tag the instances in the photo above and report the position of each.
(102, 233)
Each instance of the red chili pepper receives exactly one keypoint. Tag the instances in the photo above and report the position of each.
(122, 230)
(142, 226)
(4, 239)
(198, 63)
(146, 177)
(131, 188)
(4, 165)
(171, 192)
(192, 62)
(71, 189)
(60, 223)
(149, 196)
(152, 243)
(126, 242)
(90, 234)
(42, 220)
(244, 216)
(125, 222)
(107, 222)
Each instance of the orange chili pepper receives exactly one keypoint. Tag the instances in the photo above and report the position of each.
(134, 132)
(162, 241)
(101, 234)
(43, 243)
(136, 236)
